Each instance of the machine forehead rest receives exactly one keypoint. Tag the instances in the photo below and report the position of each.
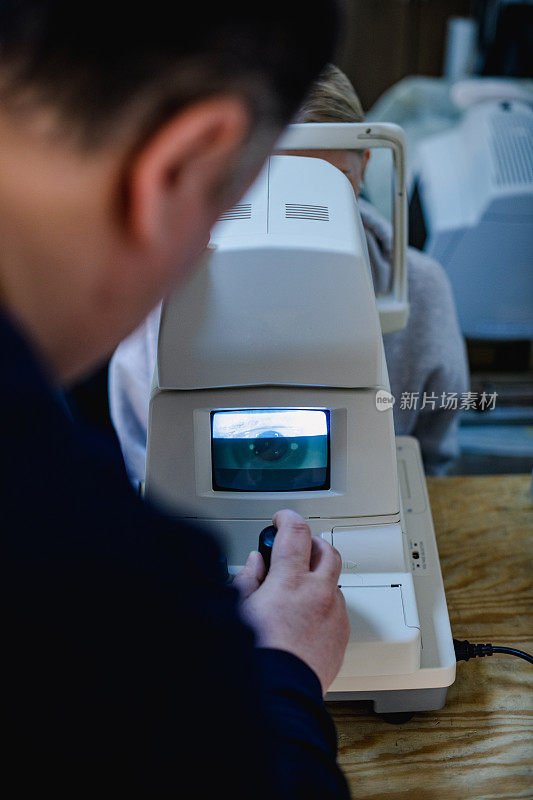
(285, 296)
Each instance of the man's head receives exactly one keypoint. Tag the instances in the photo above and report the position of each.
(125, 130)
(332, 98)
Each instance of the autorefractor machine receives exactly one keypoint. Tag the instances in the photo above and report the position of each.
(271, 391)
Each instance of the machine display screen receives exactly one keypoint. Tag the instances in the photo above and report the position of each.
(270, 449)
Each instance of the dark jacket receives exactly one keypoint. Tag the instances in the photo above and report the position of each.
(127, 668)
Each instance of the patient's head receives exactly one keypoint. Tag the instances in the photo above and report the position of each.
(332, 98)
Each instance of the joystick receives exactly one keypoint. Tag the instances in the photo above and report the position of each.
(266, 541)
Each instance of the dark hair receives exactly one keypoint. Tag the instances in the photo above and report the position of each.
(97, 63)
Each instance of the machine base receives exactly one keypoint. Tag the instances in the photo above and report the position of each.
(395, 701)
(426, 689)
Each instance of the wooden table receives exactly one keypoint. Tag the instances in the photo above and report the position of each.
(480, 745)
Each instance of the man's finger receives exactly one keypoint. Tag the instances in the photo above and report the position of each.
(326, 561)
(251, 576)
(291, 551)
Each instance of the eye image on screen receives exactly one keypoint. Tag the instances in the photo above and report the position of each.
(270, 449)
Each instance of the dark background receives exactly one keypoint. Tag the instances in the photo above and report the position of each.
(387, 40)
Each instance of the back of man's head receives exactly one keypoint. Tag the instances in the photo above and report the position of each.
(125, 130)
(96, 63)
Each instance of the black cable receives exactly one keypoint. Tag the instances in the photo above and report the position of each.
(465, 650)
(512, 652)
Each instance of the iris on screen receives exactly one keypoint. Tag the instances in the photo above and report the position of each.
(270, 449)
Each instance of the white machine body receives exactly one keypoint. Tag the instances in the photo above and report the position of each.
(265, 396)
(476, 192)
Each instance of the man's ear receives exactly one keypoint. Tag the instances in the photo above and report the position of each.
(171, 182)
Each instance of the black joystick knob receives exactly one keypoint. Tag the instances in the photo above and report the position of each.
(266, 540)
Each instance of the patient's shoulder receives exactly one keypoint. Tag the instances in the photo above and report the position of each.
(428, 282)
(432, 329)
(136, 353)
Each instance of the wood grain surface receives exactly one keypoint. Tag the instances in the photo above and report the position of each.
(480, 745)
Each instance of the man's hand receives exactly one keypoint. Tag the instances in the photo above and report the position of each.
(298, 606)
